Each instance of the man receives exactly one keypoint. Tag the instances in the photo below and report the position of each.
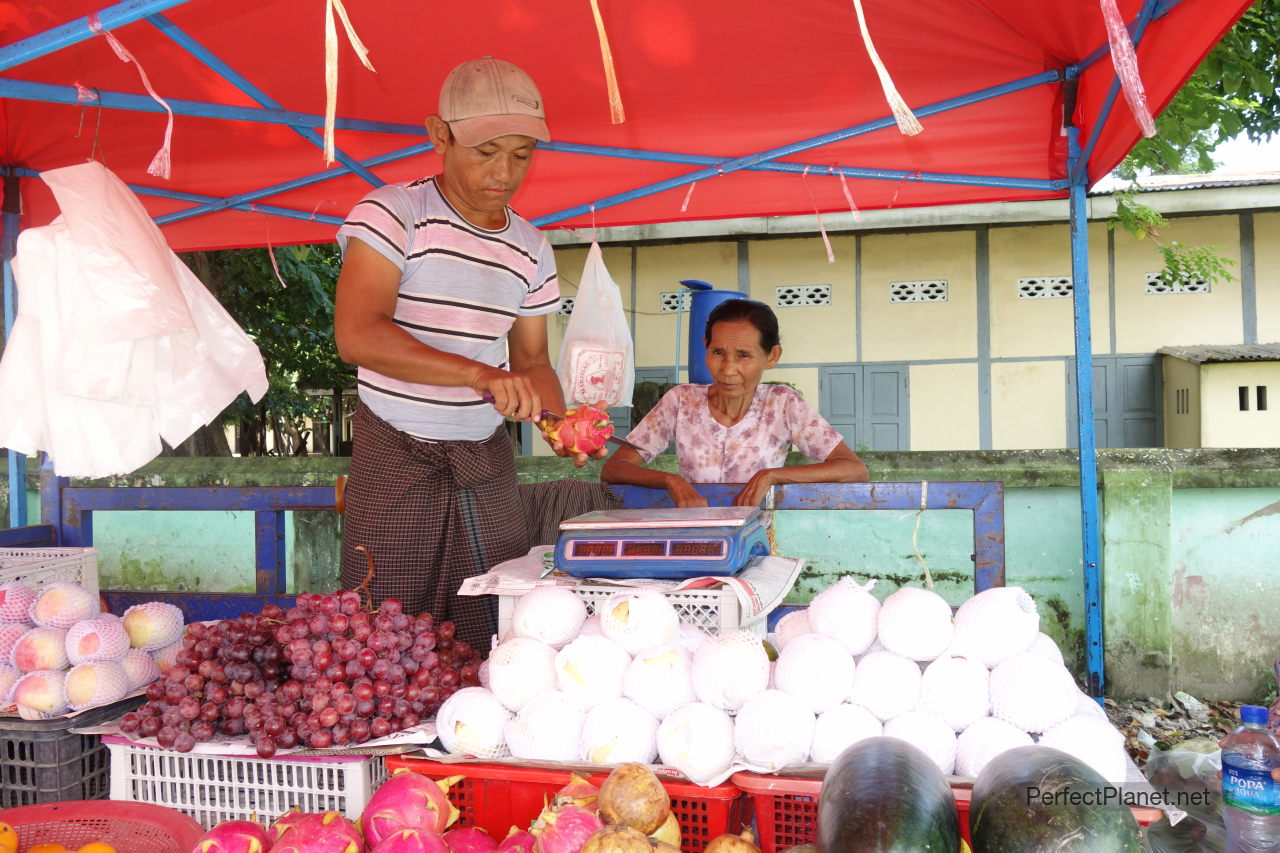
(443, 296)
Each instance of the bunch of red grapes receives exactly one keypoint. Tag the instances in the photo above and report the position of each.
(324, 673)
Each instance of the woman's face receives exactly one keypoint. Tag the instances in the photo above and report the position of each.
(735, 358)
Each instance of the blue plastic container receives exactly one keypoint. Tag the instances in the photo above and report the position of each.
(701, 302)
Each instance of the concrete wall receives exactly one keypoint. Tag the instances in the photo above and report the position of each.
(1188, 549)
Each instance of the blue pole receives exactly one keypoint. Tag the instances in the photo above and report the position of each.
(1084, 415)
(79, 30)
(8, 246)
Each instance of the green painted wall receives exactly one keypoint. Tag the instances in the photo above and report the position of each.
(1189, 540)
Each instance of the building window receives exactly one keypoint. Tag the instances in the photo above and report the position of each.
(1183, 401)
(1262, 398)
(1045, 287)
(932, 290)
(673, 298)
(1244, 398)
(1157, 285)
(799, 295)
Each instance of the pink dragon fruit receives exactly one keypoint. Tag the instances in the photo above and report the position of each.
(564, 830)
(517, 841)
(282, 823)
(579, 792)
(318, 832)
(583, 430)
(412, 839)
(408, 799)
(470, 839)
(233, 836)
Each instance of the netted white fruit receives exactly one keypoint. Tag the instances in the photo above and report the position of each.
(40, 693)
(932, 734)
(590, 669)
(8, 677)
(729, 669)
(619, 731)
(167, 657)
(773, 729)
(915, 623)
(1032, 693)
(1044, 646)
(482, 673)
(957, 690)
(96, 639)
(1087, 706)
(40, 648)
(691, 638)
(473, 722)
(886, 684)
(520, 669)
(841, 727)
(10, 633)
(62, 604)
(697, 740)
(660, 680)
(140, 667)
(591, 627)
(98, 683)
(153, 625)
(1093, 741)
(639, 620)
(876, 646)
(548, 728)
(792, 625)
(846, 611)
(15, 601)
(983, 741)
(996, 623)
(815, 669)
(549, 614)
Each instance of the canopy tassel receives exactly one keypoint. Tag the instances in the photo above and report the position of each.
(1126, 64)
(616, 114)
(331, 66)
(848, 196)
(822, 229)
(160, 164)
(907, 121)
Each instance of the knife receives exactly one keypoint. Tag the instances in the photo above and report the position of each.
(547, 414)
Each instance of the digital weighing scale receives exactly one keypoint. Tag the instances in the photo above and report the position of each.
(661, 543)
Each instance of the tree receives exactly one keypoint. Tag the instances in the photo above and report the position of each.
(1235, 90)
(292, 324)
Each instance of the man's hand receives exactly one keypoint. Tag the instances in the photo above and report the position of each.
(513, 395)
(755, 489)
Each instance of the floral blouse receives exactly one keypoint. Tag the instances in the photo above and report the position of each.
(710, 452)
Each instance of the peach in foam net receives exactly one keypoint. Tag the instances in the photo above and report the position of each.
(153, 625)
(40, 648)
(62, 604)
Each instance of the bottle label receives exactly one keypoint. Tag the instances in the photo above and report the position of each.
(1250, 790)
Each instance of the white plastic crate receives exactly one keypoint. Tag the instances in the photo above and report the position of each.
(36, 567)
(712, 610)
(214, 788)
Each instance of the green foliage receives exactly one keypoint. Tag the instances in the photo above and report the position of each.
(1235, 90)
(292, 324)
(1181, 262)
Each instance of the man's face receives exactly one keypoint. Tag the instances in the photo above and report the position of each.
(480, 181)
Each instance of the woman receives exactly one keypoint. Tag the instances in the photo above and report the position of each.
(735, 430)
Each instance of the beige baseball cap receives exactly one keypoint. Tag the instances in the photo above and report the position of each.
(483, 99)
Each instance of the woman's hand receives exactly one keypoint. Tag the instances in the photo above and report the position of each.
(756, 488)
(683, 493)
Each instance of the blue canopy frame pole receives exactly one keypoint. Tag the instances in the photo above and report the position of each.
(8, 246)
(1084, 414)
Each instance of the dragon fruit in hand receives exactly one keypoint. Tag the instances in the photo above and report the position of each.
(584, 429)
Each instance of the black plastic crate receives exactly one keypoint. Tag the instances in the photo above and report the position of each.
(41, 761)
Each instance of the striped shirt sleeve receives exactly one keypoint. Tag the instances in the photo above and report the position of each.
(382, 219)
(544, 289)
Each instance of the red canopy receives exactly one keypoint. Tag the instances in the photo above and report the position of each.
(702, 83)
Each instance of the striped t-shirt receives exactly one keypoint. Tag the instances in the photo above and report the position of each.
(461, 289)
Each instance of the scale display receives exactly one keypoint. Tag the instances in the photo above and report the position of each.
(661, 543)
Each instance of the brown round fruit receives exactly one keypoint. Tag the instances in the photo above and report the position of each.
(633, 795)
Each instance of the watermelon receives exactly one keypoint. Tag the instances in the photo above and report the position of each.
(1035, 798)
(883, 795)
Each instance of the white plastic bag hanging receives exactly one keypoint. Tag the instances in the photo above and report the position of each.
(595, 359)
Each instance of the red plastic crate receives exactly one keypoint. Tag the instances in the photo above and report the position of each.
(497, 797)
(786, 809)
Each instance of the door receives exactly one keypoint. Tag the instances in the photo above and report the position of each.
(867, 403)
(1127, 409)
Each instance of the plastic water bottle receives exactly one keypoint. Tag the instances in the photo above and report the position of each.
(1250, 799)
(1275, 706)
